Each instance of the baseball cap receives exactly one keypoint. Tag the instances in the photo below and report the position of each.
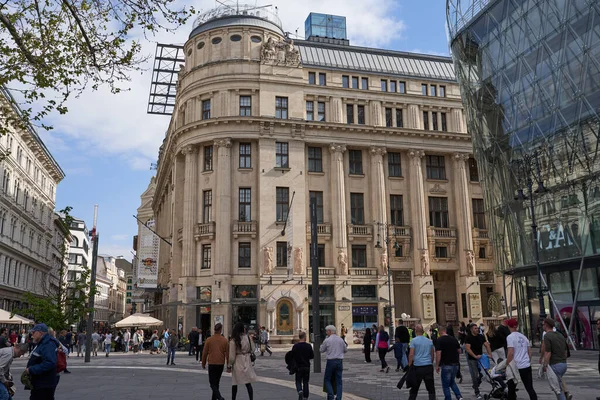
(512, 323)
(40, 328)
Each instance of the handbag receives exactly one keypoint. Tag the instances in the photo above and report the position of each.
(252, 354)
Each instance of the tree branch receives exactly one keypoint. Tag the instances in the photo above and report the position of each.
(18, 40)
(83, 32)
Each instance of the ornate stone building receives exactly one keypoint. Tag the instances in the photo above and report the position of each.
(262, 124)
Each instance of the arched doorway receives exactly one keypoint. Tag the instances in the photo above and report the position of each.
(285, 318)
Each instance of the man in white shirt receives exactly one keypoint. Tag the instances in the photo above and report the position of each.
(519, 350)
(126, 339)
(107, 343)
(334, 348)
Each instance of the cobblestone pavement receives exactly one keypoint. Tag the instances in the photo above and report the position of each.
(129, 376)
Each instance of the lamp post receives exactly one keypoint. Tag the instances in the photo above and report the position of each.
(528, 172)
(386, 240)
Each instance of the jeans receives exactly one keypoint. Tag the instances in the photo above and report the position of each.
(527, 379)
(424, 373)
(107, 348)
(171, 355)
(214, 378)
(382, 353)
(42, 394)
(333, 370)
(474, 371)
(127, 347)
(448, 381)
(198, 349)
(302, 378)
(4, 393)
(560, 369)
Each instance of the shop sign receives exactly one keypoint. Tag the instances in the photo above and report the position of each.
(205, 293)
(244, 292)
(475, 305)
(364, 291)
(402, 277)
(343, 308)
(428, 306)
(450, 309)
(204, 309)
(364, 310)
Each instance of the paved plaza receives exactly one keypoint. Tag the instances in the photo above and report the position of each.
(143, 376)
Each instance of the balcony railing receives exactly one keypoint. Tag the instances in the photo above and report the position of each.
(360, 231)
(442, 232)
(398, 231)
(323, 271)
(323, 230)
(480, 233)
(363, 271)
(205, 231)
(247, 228)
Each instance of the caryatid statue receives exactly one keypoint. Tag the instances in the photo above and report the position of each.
(343, 262)
(268, 261)
(425, 263)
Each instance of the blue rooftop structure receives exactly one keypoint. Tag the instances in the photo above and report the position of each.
(325, 25)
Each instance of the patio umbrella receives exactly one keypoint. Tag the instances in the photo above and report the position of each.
(5, 318)
(138, 320)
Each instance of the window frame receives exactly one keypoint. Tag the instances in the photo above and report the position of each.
(206, 206)
(321, 114)
(312, 78)
(360, 114)
(426, 120)
(384, 85)
(442, 91)
(355, 162)
(281, 256)
(346, 81)
(396, 209)
(245, 256)
(319, 196)
(208, 158)
(478, 210)
(435, 166)
(282, 203)
(282, 155)
(206, 257)
(357, 208)
(350, 113)
(245, 109)
(434, 121)
(389, 118)
(244, 204)
(315, 159)
(206, 109)
(402, 87)
(444, 119)
(393, 86)
(400, 120)
(355, 82)
(359, 256)
(310, 110)
(245, 155)
(364, 83)
(441, 252)
(424, 89)
(438, 212)
(394, 164)
(433, 90)
(281, 107)
(322, 79)
(473, 170)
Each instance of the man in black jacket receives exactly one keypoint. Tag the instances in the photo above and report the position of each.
(193, 338)
(302, 353)
(41, 366)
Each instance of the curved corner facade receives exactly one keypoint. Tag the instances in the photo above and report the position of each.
(530, 79)
(261, 125)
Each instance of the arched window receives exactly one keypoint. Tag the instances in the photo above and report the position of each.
(75, 242)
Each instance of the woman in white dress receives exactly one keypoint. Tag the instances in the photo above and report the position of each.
(240, 362)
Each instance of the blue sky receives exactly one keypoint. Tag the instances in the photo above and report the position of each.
(105, 144)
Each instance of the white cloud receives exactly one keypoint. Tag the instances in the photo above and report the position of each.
(115, 250)
(120, 237)
(99, 123)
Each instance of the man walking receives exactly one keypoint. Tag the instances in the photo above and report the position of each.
(172, 343)
(302, 353)
(519, 350)
(474, 344)
(199, 345)
(107, 343)
(555, 356)
(95, 343)
(7, 354)
(216, 353)
(81, 338)
(334, 348)
(447, 359)
(264, 342)
(126, 339)
(41, 366)
(193, 338)
(421, 357)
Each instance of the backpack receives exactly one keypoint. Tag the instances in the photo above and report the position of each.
(61, 360)
(434, 335)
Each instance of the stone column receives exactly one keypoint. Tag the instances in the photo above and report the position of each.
(464, 218)
(336, 110)
(222, 203)
(414, 117)
(457, 121)
(338, 200)
(188, 259)
(376, 113)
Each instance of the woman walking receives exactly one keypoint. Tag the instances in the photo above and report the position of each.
(497, 343)
(367, 345)
(382, 346)
(240, 363)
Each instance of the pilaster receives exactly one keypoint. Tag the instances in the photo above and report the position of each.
(189, 210)
(338, 198)
(463, 216)
(222, 264)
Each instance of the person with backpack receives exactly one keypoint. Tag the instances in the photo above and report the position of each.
(383, 345)
(302, 353)
(42, 363)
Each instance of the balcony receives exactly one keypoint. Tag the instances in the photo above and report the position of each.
(245, 228)
(360, 231)
(363, 271)
(442, 232)
(442, 237)
(323, 231)
(205, 231)
(480, 233)
(323, 271)
(400, 235)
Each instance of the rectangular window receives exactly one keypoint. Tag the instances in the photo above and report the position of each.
(388, 118)
(206, 256)
(436, 168)
(361, 114)
(399, 119)
(281, 107)
(442, 91)
(396, 210)
(364, 82)
(322, 79)
(398, 252)
(384, 85)
(245, 155)
(393, 86)
(350, 113)
(444, 122)
(244, 255)
(424, 89)
(345, 81)
(357, 209)
(315, 159)
(281, 155)
(434, 120)
(312, 78)
(206, 206)
(208, 158)
(245, 211)
(394, 165)
(282, 199)
(319, 197)
(359, 256)
(441, 252)
(205, 109)
(426, 120)
(282, 257)
(478, 214)
(438, 212)
(320, 255)
(245, 106)
(321, 111)
(310, 111)
(355, 82)
(433, 90)
(401, 87)
(473, 170)
(355, 162)
(482, 252)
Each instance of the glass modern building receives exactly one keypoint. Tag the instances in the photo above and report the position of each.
(530, 79)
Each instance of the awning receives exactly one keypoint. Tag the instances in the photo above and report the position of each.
(138, 320)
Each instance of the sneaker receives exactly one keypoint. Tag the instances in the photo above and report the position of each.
(381, 370)
(397, 369)
(300, 395)
(479, 397)
(387, 370)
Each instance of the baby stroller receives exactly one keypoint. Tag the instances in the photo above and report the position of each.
(496, 377)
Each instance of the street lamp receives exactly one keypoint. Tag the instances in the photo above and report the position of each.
(386, 240)
(528, 172)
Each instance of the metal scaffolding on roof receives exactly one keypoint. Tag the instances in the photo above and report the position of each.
(163, 88)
